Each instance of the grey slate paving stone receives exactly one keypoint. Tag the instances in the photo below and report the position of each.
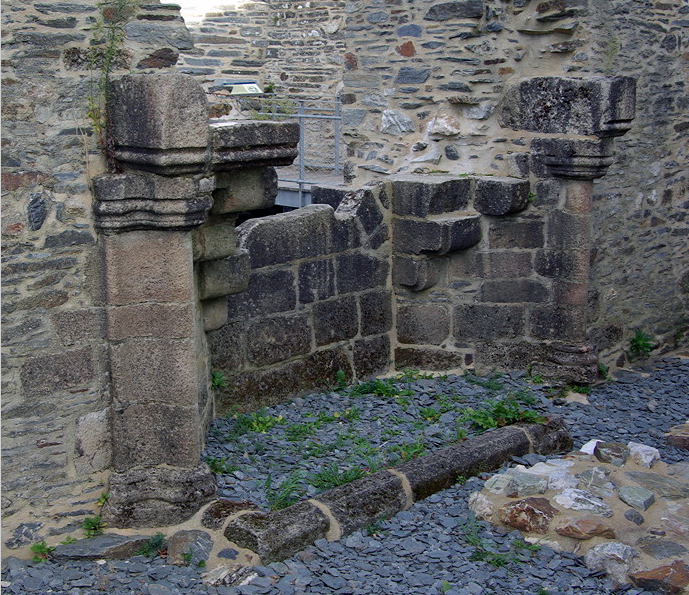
(433, 524)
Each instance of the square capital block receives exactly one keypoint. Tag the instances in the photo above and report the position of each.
(600, 106)
(160, 122)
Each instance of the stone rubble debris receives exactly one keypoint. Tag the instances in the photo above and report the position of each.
(601, 518)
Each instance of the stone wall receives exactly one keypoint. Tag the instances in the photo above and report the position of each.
(427, 95)
(318, 300)
(422, 84)
(295, 46)
(55, 374)
(442, 272)
(640, 250)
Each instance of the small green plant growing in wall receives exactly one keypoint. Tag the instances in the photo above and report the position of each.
(41, 551)
(93, 526)
(104, 57)
(218, 380)
(640, 344)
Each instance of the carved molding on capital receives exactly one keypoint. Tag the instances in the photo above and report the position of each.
(137, 200)
(576, 159)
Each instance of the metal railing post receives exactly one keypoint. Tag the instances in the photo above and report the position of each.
(337, 121)
(302, 151)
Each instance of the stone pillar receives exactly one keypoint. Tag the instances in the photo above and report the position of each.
(158, 379)
(566, 257)
(155, 340)
(165, 279)
(581, 115)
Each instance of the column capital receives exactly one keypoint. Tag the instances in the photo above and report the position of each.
(577, 159)
(140, 200)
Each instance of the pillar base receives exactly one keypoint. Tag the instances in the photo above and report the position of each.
(568, 362)
(157, 496)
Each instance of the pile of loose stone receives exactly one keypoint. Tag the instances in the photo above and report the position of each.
(617, 505)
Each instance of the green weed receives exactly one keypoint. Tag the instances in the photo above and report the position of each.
(460, 432)
(533, 378)
(445, 587)
(471, 531)
(408, 375)
(408, 451)
(493, 558)
(640, 344)
(496, 414)
(445, 404)
(188, 556)
(41, 551)
(604, 371)
(391, 432)
(103, 499)
(285, 493)
(256, 421)
(330, 476)
(67, 540)
(404, 402)
(218, 380)
(105, 55)
(352, 413)
(220, 465)
(491, 384)
(93, 526)
(482, 553)
(578, 388)
(520, 544)
(429, 414)
(375, 528)
(340, 379)
(460, 480)
(524, 396)
(297, 432)
(155, 546)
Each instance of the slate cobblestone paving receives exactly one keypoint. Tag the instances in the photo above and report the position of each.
(423, 550)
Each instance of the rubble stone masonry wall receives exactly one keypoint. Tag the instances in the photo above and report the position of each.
(488, 261)
(422, 83)
(55, 376)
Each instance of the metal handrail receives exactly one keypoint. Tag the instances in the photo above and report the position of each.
(305, 109)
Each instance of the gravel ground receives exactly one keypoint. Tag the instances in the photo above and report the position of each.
(431, 548)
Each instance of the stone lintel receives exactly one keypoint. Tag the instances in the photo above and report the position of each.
(253, 143)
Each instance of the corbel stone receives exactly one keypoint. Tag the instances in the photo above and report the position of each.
(415, 274)
(436, 237)
(574, 159)
(253, 143)
(500, 196)
(159, 123)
